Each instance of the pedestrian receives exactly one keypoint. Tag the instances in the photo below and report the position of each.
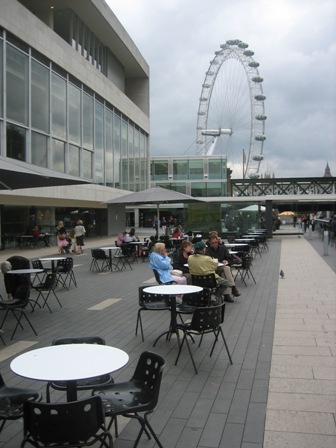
(79, 235)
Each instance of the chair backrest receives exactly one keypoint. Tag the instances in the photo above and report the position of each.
(207, 318)
(50, 281)
(197, 299)
(206, 281)
(37, 264)
(79, 340)
(149, 371)
(65, 265)
(146, 297)
(157, 276)
(59, 423)
(99, 254)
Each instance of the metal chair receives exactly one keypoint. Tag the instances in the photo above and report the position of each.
(157, 278)
(11, 401)
(206, 281)
(100, 260)
(139, 394)
(84, 384)
(149, 302)
(192, 301)
(244, 268)
(37, 264)
(73, 424)
(65, 272)
(44, 290)
(204, 320)
(17, 305)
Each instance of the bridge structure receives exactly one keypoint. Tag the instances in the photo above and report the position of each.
(304, 194)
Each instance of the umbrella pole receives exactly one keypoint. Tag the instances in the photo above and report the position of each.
(158, 220)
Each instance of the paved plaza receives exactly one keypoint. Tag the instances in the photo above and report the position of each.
(281, 389)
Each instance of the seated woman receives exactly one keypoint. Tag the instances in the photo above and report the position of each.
(160, 261)
(177, 233)
(180, 258)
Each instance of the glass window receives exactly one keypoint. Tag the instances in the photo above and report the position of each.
(160, 170)
(215, 189)
(215, 169)
(73, 160)
(116, 150)
(57, 156)
(124, 152)
(196, 169)
(180, 169)
(87, 121)
(17, 85)
(99, 143)
(74, 114)
(178, 186)
(40, 103)
(16, 142)
(58, 106)
(198, 189)
(108, 147)
(87, 164)
(1, 78)
(39, 149)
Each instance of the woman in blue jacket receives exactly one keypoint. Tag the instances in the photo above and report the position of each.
(160, 261)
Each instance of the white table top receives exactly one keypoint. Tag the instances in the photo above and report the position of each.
(235, 244)
(69, 362)
(173, 289)
(25, 271)
(110, 248)
(52, 258)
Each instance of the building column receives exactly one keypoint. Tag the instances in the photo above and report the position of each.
(116, 219)
(269, 218)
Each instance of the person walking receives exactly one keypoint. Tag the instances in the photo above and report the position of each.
(79, 235)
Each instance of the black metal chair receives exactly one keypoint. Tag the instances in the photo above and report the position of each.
(244, 268)
(204, 320)
(44, 290)
(122, 257)
(11, 401)
(149, 302)
(72, 424)
(138, 395)
(192, 301)
(157, 278)
(37, 264)
(206, 281)
(65, 272)
(84, 384)
(17, 308)
(100, 261)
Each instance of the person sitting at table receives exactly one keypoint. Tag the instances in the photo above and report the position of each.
(37, 234)
(222, 254)
(121, 238)
(61, 237)
(12, 282)
(202, 264)
(132, 235)
(180, 258)
(160, 261)
(177, 233)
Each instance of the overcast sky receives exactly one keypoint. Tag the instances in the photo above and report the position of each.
(293, 40)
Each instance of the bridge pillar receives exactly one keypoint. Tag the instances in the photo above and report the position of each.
(269, 218)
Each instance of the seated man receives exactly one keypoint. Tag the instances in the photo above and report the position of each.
(202, 264)
(43, 236)
(215, 250)
(12, 282)
(160, 261)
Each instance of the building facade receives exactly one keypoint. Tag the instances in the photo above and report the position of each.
(74, 97)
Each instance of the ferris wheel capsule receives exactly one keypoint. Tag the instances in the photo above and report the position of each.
(248, 53)
(260, 138)
(258, 157)
(260, 97)
(257, 79)
(261, 117)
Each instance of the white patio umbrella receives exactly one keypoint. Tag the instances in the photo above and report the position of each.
(155, 196)
(15, 174)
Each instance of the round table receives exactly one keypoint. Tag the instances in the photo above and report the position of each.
(172, 291)
(69, 363)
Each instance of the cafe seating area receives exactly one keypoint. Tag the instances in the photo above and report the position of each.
(210, 375)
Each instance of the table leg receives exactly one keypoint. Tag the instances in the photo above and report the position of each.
(173, 322)
(71, 390)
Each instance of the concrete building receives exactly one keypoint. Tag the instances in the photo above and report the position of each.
(74, 97)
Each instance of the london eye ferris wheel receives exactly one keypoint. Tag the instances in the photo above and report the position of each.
(231, 113)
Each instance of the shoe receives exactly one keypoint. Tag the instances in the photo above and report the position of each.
(235, 291)
(228, 298)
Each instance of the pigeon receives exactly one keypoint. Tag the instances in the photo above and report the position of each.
(282, 274)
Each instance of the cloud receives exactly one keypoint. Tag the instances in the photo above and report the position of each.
(295, 44)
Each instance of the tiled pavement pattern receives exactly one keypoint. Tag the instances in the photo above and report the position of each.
(222, 406)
